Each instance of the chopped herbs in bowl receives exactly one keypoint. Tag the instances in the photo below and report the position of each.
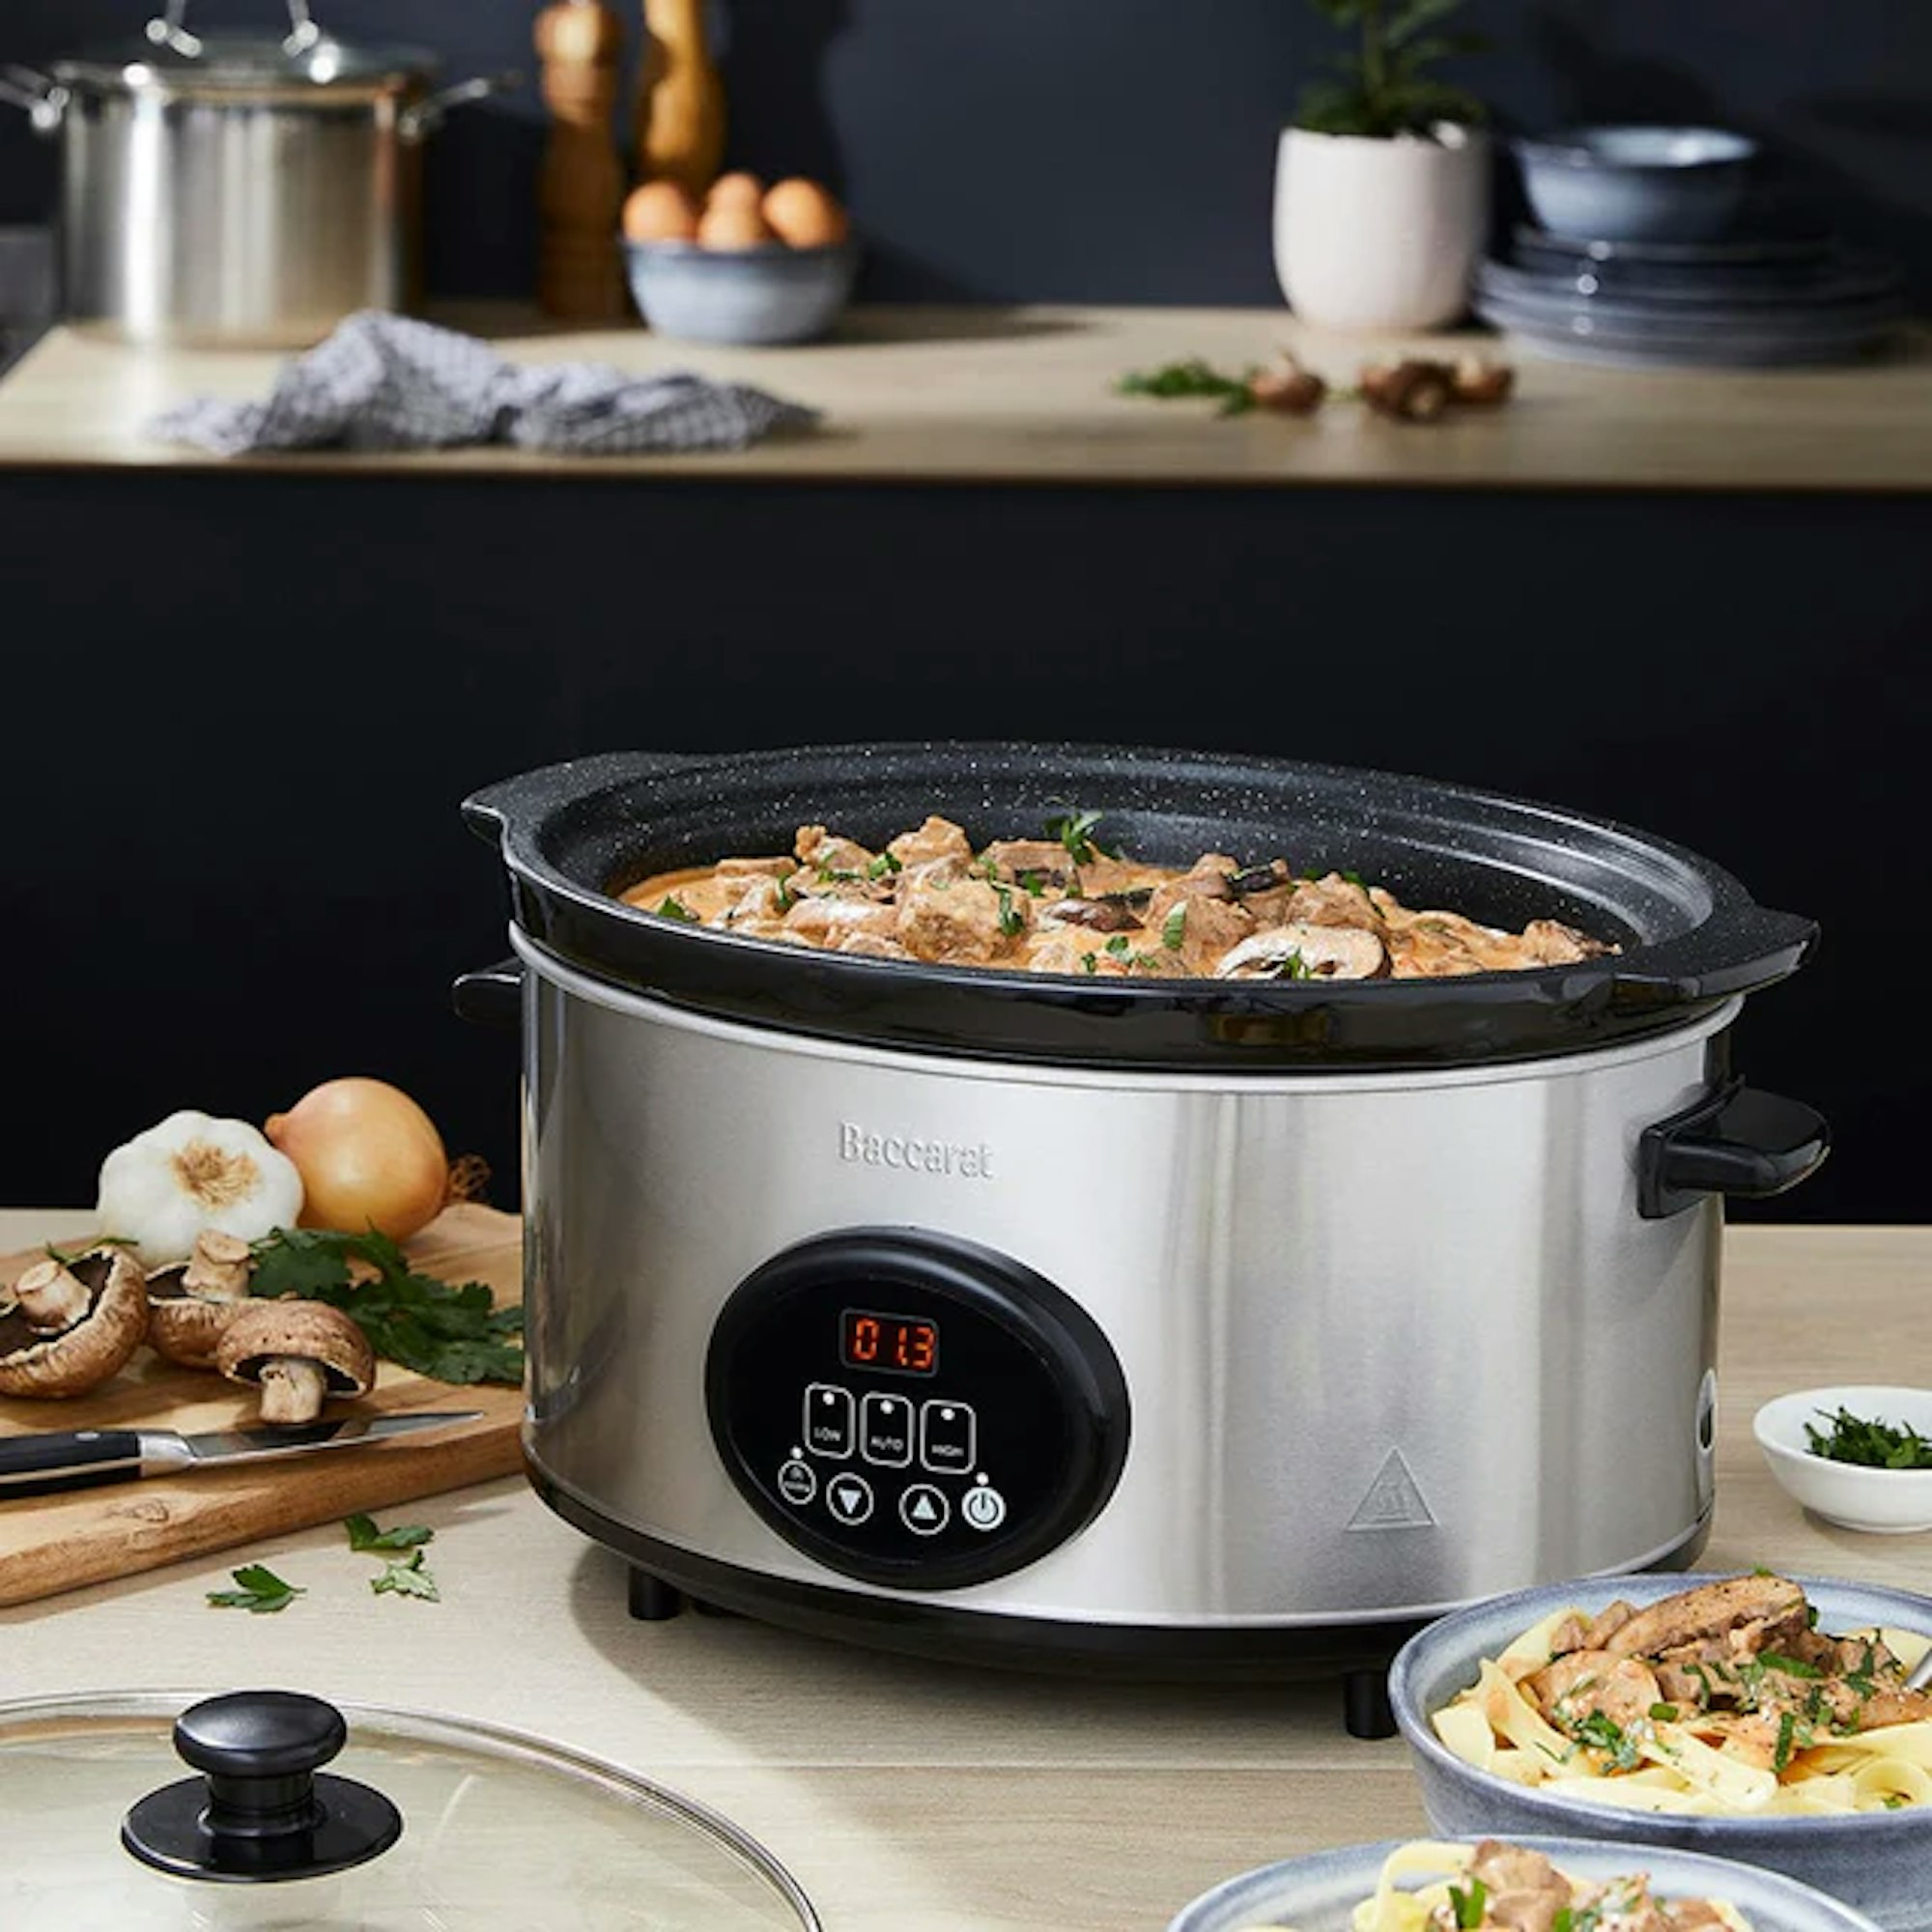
(1860, 1457)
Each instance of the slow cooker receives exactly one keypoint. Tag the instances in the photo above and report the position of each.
(1168, 1326)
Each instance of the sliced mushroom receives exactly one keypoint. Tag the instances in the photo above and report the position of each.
(71, 1325)
(191, 1303)
(1113, 915)
(299, 1353)
(1303, 951)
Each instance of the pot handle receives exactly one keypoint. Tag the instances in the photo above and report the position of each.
(46, 100)
(169, 29)
(1735, 1140)
(417, 123)
(488, 813)
(491, 995)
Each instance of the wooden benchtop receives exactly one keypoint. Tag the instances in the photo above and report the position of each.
(1027, 395)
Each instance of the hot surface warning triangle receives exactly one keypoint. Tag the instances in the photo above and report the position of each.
(1393, 1501)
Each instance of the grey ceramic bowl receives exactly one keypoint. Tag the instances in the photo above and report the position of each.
(1636, 184)
(1316, 1894)
(754, 295)
(1879, 1862)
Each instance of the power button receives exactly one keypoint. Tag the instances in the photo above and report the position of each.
(984, 1507)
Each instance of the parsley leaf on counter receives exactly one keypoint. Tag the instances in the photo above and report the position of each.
(364, 1535)
(260, 1591)
(450, 1334)
(1194, 377)
(406, 1577)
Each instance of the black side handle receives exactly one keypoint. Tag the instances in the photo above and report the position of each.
(491, 995)
(39, 1465)
(1735, 1140)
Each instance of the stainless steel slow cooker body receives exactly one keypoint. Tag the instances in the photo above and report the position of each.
(1260, 1337)
(241, 189)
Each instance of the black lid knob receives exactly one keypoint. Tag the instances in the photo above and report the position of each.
(260, 1811)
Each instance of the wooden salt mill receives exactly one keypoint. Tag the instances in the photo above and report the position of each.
(581, 185)
(680, 131)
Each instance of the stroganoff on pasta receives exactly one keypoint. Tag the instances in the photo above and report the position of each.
(1725, 1699)
(1497, 1887)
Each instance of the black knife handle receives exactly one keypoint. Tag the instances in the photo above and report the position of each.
(75, 1459)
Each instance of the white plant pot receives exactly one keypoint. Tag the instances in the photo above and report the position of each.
(1379, 234)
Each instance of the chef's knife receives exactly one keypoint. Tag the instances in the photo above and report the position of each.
(37, 1465)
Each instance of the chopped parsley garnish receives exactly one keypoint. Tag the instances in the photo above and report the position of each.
(1174, 927)
(1790, 1666)
(1033, 883)
(1664, 1714)
(839, 875)
(1469, 1906)
(364, 1535)
(260, 1591)
(1291, 966)
(406, 1577)
(1118, 945)
(1605, 1734)
(1012, 921)
(1356, 880)
(672, 907)
(1787, 1732)
(1075, 831)
(783, 896)
(1871, 1444)
(885, 863)
(451, 1334)
(1090, 962)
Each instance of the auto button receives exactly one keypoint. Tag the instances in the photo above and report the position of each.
(885, 1431)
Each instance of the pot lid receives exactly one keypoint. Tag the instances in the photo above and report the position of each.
(240, 64)
(495, 1827)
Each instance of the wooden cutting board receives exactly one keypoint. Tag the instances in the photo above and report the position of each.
(50, 1543)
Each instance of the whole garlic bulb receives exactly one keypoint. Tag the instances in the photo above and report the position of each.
(191, 1173)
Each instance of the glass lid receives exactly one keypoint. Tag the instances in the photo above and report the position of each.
(420, 1825)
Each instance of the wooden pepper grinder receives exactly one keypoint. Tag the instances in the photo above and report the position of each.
(581, 185)
(680, 130)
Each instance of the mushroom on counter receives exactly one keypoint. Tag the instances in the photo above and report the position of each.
(66, 1326)
(190, 1303)
(299, 1353)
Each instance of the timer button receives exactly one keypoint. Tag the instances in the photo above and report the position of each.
(849, 1498)
(946, 1437)
(797, 1484)
(885, 1431)
(828, 1420)
(923, 1509)
(984, 1507)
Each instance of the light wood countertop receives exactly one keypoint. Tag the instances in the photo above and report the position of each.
(1027, 396)
(908, 1797)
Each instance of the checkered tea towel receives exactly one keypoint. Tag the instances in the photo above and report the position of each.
(383, 382)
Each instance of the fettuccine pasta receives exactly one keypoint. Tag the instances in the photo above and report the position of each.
(1474, 1888)
(1724, 1700)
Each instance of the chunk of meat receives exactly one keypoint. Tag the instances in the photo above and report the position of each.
(1551, 943)
(1205, 927)
(1305, 953)
(937, 841)
(1526, 1891)
(1594, 1682)
(958, 923)
(870, 944)
(1758, 1612)
(753, 869)
(818, 849)
(1066, 949)
(1750, 1738)
(1102, 875)
(831, 922)
(1046, 859)
(1333, 900)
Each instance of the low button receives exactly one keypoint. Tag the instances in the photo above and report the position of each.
(923, 1509)
(984, 1507)
(885, 1431)
(849, 1498)
(828, 1419)
(946, 1437)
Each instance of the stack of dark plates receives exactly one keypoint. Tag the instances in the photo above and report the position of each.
(1744, 303)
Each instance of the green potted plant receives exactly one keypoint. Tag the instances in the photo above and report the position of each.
(1382, 186)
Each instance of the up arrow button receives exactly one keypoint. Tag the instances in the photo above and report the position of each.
(924, 1510)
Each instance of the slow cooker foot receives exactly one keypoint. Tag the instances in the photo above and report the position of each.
(652, 1600)
(1365, 1704)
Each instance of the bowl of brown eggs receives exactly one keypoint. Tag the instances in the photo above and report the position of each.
(746, 263)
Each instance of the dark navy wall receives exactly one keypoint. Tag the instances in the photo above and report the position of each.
(1113, 149)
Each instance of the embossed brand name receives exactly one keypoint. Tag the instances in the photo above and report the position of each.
(968, 1161)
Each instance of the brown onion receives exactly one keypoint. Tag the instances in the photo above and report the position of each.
(368, 1156)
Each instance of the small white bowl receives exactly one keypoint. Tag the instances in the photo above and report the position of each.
(1890, 1501)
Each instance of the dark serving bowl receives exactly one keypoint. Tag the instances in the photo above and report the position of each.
(1879, 1862)
(1635, 183)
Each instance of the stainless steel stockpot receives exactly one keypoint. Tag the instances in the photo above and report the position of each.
(238, 189)
(1173, 1324)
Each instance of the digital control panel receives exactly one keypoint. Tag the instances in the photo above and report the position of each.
(913, 1408)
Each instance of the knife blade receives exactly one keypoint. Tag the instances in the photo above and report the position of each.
(84, 1458)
